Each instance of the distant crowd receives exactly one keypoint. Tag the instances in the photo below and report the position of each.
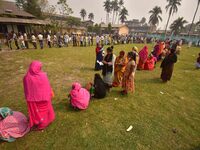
(117, 71)
(26, 41)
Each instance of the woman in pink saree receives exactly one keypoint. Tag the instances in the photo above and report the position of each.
(143, 54)
(79, 96)
(13, 124)
(38, 94)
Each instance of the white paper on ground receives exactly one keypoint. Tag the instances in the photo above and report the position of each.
(130, 128)
(161, 92)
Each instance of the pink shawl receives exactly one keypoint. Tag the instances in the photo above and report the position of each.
(36, 84)
(143, 54)
(79, 96)
(15, 126)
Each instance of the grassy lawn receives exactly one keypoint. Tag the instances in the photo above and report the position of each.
(154, 116)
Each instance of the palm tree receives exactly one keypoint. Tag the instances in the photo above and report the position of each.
(172, 6)
(178, 25)
(91, 16)
(123, 15)
(194, 17)
(107, 7)
(155, 16)
(83, 13)
(121, 5)
(114, 7)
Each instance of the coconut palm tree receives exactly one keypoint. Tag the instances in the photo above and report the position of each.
(178, 25)
(155, 16)
(123, 15)
(121, 5)
(91, 16)
(172, 6)
(114, 7)
(107, 7)
(198, 3)
(83, 13)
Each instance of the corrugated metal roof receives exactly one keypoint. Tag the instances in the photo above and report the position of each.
(10, 8)
(23, 21)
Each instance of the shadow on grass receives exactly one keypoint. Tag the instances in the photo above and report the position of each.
(64, 106)
(196, 148)
(87, 69)
(151, 81)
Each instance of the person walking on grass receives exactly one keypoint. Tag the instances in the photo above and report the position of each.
(167, 65)
(26, 40)
(40, 37)
(38, 94)
(49, 40)
(16, 40)
(34, 42)
(128, 84)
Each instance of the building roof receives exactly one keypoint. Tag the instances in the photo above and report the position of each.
(86, 21)
(61, 17)
(113, 25)
(10, 8)
(23, 21)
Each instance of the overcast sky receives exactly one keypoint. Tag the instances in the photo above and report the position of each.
(136, 8)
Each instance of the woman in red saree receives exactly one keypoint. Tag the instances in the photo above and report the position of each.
(150, 63)
(143, 55)
(38, 94)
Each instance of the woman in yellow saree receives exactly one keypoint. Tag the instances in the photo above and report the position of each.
(120, 66)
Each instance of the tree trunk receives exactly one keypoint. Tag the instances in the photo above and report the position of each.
(167, 23)
(194, 17)
(116, 16)
(113, 17)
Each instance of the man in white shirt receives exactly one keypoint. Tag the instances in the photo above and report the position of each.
(33, 39)
(40, 37)
(26, 40)
(97, 39)
(49, 40)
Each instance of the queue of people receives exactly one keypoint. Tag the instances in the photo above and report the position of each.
(117, 71)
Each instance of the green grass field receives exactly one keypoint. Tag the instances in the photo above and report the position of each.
(154, 116)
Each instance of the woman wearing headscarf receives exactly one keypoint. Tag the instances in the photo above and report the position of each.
(79, 97)
(129, 74)
(38, 94)
(158, 50)
(143, 54)
(167, 65)
(120, 66)
(135, 50)
(107, 71)
(13, 124)
(150, 63)
(99, 87)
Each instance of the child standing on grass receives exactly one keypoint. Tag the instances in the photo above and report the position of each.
(129, 75)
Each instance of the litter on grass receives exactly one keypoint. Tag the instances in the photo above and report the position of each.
(161, 92)
(130, 128)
